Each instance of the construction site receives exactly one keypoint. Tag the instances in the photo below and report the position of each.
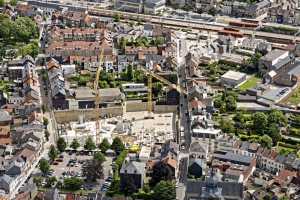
(134, 128)
(136, 122)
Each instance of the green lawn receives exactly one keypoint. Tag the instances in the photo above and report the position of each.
(250, 83)
(294, 99)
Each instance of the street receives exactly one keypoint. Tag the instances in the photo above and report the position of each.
(185, 141)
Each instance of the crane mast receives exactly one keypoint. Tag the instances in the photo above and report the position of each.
(151, 75)
(97, 98)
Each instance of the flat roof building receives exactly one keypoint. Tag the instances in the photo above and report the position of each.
(233, 78)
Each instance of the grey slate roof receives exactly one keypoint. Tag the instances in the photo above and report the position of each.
(4, 116)
(5, 178)
(273, 55)
(133, 167)
(206, 190)
(234, 158)
(198, 162)
(154, 3)
(283, 62)
(197, 147)
(295, 70)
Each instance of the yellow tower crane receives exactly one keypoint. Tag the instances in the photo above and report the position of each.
(97, 99)
(151, 74)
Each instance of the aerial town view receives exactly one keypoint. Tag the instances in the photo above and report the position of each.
(149, 99)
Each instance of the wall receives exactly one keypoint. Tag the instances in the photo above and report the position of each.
(142, 106)
(63, 116)
(135, 106)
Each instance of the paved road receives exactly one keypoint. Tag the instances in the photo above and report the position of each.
(186, 140)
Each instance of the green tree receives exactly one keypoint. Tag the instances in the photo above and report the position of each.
(31, 49)
(99, 157)
(218, 102)
(104, 145)
(274, 133)
(212, 11)
(277, 117)
(239, 117)
(52, 153)
(139, 76)
(37, 180)
(45, 121)
(93, 169)
(284, 198)
(59, 185)
(13, 2)
(260, 122)
(89, 144)
(227, 126)
(253, 62)
(266, 141)
(157, 88)
(231, 103)
(61, 144)
(51, 181)
(44, 166)
(25, 29)
(117, 17)
(2, 3)
(159, 41)
(103, 84)
(73, 183)
(6, 28)
(161, 172)
(123, 43)
(164, 190)
(117, 145)
(129, 73)
(75, 144)
(47, 135)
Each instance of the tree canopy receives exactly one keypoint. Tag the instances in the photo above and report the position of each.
(277, 117)
(75, 144)
(73, 183)
(260, 121)
(161, 171)
(52, 152)
(2, 3)
(117, 145)
(89, 144)
(164, 190)
(18, 36)
(266, 141)
(93, 169)
(104, 145)
(44, 166)
(61, 144)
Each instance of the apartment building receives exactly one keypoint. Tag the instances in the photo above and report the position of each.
(154, 6)
(135, 6)
(205, 5)
(244, 9)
